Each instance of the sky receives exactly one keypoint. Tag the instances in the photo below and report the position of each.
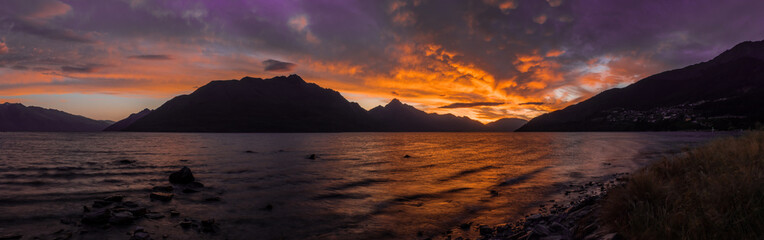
(485, 59)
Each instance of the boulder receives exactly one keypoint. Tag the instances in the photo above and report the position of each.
(182, 176)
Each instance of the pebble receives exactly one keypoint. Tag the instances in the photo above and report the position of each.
(161, 196)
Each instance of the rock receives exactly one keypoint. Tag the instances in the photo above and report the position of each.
(174, 213)
(485, 230)
(115, 198)
(250, 151)
(591, 228)
(268, 207)
(494, 193)
(96, 216)
(312, 156)
(465, 226)
(162, 189)
(101, 204)
(184, 175)
(139, 229)
(130, 204)
(209, 225)
(196, 185)
(186, 223)
(557, 227)
(406, 156)
(190, 190)
(161, 196)
(212, 199)
(555, 237)
(153, 215)
(126, 161)
(11, 237)
(612, 236)
(140, 236)
(533, 217)
(121, 218)
(542, 230)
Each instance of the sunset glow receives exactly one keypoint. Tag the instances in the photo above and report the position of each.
(485, 59)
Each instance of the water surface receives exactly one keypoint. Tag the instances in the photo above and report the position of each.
(359, 187)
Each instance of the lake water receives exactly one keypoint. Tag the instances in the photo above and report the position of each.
(359, 187)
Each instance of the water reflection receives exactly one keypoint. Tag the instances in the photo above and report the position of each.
(360, 186)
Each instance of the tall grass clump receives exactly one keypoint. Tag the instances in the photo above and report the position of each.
(712, 192)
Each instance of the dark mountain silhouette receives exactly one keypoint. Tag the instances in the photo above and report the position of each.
(122, 124)
(289, 104)
(279, 104)
(15, 117)
(505, 125)
(726, 92)
(399, 117)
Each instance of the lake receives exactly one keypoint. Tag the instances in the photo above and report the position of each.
(360, 186)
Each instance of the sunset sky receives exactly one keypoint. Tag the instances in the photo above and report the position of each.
(485, 59)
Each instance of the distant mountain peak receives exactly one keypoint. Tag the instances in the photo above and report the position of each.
(753, 49)
(17, 117)
(394, 102)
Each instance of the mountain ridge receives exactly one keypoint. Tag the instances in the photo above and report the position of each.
(16, 117)
(288, 104)
(717, 94)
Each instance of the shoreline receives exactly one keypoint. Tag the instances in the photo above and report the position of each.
(658, 200)
(573, 218)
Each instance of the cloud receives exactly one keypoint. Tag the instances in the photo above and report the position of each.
(3, 48)
(47, 31)
(278, 66)
(35, 9)
(532, 103)
(554, 52)
(554, 3)
(80, 69)
(472, 104)
(151, 57)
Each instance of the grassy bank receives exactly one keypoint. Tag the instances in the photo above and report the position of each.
(711, 192)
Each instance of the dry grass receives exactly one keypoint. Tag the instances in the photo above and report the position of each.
(712, 192)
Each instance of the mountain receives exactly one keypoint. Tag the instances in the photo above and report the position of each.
(505, 125)
(15, 117)
(122, 124)
(399, 117)
(279, 104)
(724, 93)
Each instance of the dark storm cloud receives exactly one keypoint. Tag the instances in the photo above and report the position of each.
(81, 69)
(151, 57)
(278, 66)
(472, 104)
(532, 103)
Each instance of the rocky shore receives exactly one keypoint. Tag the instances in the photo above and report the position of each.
(575, 217)
(140, 219)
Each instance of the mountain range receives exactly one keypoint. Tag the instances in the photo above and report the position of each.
(289, 104)
(724, 93)
(15, 117)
